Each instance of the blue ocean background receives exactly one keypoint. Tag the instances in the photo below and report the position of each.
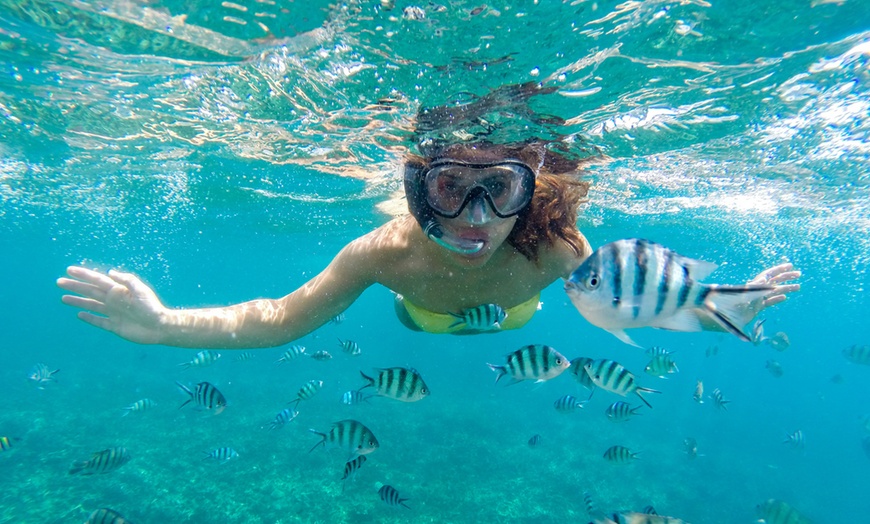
(227, 151)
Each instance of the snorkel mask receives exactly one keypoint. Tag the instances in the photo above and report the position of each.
(446, 187)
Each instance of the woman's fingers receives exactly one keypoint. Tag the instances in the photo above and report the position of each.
(82, 288)
(94, 320)
(131, 281)
(784, 277)
(88, 304)
(90, 276)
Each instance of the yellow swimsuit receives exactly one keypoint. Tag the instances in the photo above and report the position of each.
(432, 322)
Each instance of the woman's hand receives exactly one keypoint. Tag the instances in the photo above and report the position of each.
(117, 302)
(778, 277)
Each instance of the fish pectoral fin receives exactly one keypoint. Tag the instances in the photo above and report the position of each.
(623, 336)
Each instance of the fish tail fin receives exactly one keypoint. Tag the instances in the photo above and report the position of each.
(646, 390)
(184, 365)
(77, 467)
(723, 304)
(500, 371)
(402, 503)
(458, 320)
(370, 382)
(186, 390)
(126, 412)
(322, 439)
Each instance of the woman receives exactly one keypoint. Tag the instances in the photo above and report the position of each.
(490, 224)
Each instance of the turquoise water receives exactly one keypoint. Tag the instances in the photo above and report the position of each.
(228, 151)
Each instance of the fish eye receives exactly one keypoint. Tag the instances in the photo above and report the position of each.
(424, 391)
(558, 361)
(593, 281)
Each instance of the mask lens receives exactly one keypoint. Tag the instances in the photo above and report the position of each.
(507, 186)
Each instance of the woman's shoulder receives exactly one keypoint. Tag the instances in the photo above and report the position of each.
(393, 238)
(561, 258)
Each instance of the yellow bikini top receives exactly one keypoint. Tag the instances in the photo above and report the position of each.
(440, 323)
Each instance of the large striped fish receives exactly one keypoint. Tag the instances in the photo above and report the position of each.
(350, 435)
(636, 283)
(538, 362)
(204, 396)
(612, 376)
(774, 511)
(398, 383)
(102, 462)
(106, 516)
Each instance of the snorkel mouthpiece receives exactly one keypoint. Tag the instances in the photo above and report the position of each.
(436, 234)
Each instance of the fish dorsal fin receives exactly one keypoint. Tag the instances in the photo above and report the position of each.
(698, 269)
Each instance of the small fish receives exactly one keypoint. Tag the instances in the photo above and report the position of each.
(349, 435)
(535, 441)
(690, 446)
(222, 455)
(538, 362)
(337, 319)
(611, 376)
(658, 351)
(576, 369)
(291, 353)
(620, 411)
(779, 341)
(102, 462)
(41, 374)
(485, 317)
(401, 384)
(354, 397)
(699, 392)
(202, 359)
(321, 356)
(718, 400)
(350, 347)
(858, 354)
(649, 510)
(352, 466)
(758, 332)
(567, 404)
(6, 443)
(389, 495)
(660, 366)
(204, 396)
(286, 415)
(635, 283)
(106, 516)
(619, 454)
(774, 367)
(307, 391)
(244, 356)
(139, 406)
(795, 440)
(712, 351)
(774, 511)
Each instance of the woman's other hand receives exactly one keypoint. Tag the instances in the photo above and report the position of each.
(117, 302)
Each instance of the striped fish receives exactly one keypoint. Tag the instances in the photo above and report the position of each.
(774, 511)
(41, 374)
(291, 353)
(139, 406)
(244, 356)
(106, 516)
(779, 341)
(690, 446)
(286, 415)
(657, 351)
(758, 332)
(637, 283)
(485, 317)
(567, 404)
(389, 495)
(222, 455)
(576, 369)
(5, 443)
(633, 517)
(661, 365)
(611, 376)
(350, 435)
(204, 396)
(307, 391)
(352, 466)
(619, 454)
(202, 359)
(535, 441)
(699, 392)
(337, 319)
(719, 400)
(620, 411)
(321, 356)
(795, 440)
(858, 354)
(398, 383)
(102, 462)
(350, 347)
(535, 362)
(649, 510)
(354, 397)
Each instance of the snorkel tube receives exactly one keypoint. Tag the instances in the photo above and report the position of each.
(426, 218)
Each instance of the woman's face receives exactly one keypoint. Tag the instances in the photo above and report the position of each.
(492, 234)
